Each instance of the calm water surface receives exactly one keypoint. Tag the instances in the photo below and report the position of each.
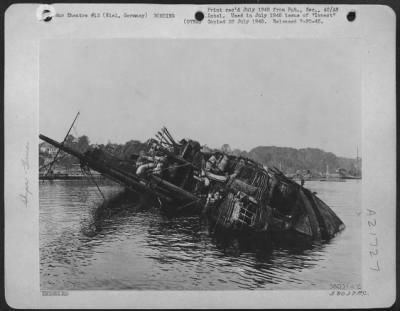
(147, 250)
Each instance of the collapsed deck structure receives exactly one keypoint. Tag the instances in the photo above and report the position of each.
(235, 193)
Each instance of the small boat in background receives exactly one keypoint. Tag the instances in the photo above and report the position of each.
(335, 177)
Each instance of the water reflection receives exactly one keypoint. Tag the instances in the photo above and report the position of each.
(262, 259)
(120, 244)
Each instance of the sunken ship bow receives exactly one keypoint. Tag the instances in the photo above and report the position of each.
(234, 193)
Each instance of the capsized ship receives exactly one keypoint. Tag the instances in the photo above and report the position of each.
(258, 199)
(234, 193)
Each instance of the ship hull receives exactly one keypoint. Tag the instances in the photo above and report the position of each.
(246, 198)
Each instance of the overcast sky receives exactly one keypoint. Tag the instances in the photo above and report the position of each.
(247, 93)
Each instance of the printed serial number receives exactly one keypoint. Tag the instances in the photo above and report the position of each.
(348, 293)
(54, 293)
(345, 286)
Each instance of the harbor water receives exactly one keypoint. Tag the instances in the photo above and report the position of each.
(142, 249)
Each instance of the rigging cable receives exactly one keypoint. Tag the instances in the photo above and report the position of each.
(87, 170)
(58, 151)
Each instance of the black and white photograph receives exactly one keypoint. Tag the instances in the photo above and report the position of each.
(199, 164)
(205, 163)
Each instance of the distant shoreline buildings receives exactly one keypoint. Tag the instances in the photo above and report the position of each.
(309, 163)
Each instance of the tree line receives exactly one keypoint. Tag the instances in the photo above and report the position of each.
(289, 160)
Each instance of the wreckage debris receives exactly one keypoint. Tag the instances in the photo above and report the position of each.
(235, 193)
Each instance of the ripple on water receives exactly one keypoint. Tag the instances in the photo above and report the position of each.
(145, 250)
